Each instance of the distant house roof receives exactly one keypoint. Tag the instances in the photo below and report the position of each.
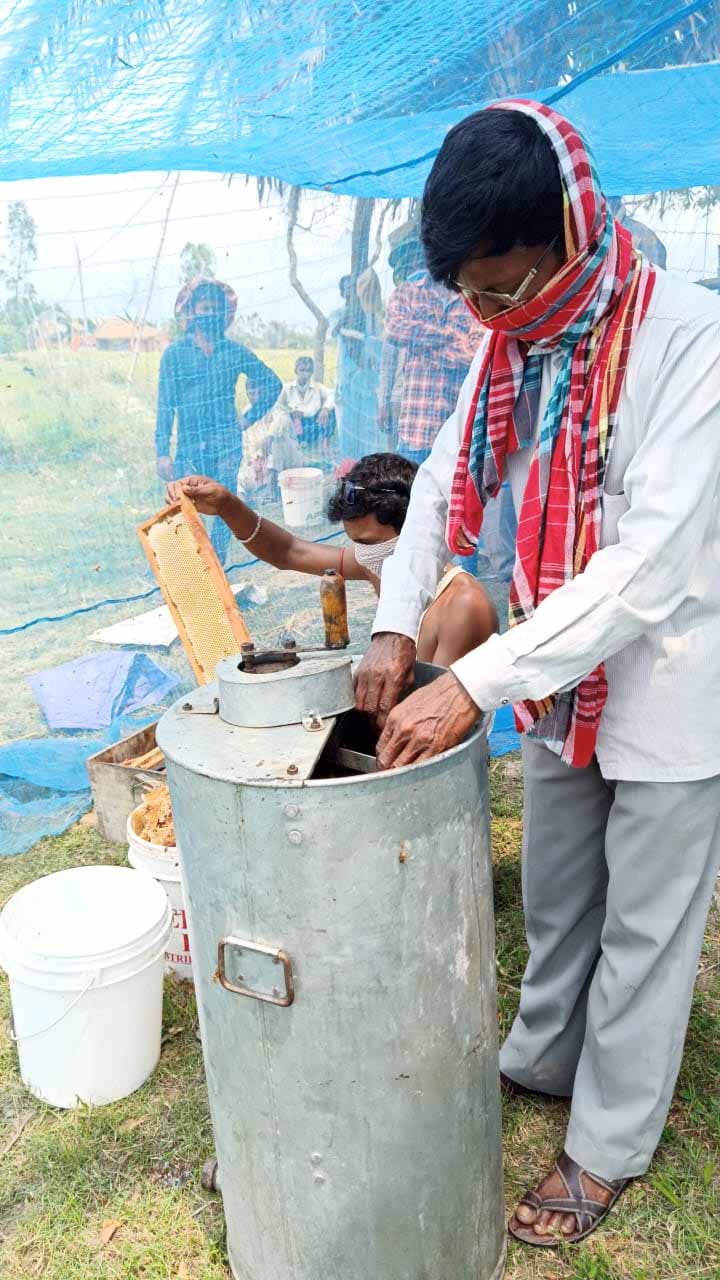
(117, 329)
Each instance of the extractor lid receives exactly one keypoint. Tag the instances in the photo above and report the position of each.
(262, 690)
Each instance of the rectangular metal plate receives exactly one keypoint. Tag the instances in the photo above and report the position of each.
(219, 750)
(258, 972)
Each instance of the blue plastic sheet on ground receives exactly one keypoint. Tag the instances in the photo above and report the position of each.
(29, 814)
(44, 785)
(55, 763)
(90, 693)
(504, 736)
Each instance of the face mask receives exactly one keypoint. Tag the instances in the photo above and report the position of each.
(212, 327)
(371, 557)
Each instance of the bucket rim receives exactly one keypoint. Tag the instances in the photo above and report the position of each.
(31, 956)
(164, 852)
(152, 867)
(105, 969)
(311, 474)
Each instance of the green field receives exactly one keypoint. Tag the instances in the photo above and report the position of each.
(65, 1176)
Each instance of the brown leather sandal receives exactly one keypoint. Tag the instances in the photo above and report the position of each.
(588, 1213)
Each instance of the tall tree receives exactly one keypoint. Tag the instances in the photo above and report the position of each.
(321, 320)
(22, 250)
(196, 260)
(21, 302)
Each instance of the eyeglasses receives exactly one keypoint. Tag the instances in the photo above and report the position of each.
(506, 300)
(349, 490)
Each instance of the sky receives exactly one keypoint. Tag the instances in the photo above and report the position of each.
(116, 223)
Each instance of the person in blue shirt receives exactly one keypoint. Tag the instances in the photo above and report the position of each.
(196, 393)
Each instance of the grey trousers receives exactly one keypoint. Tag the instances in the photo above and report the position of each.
(617, 882)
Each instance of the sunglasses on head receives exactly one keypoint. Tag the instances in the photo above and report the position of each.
(350, 491)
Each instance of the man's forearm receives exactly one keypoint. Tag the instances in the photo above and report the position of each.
(273, 544)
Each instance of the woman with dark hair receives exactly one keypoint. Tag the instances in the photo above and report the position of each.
(371, 501)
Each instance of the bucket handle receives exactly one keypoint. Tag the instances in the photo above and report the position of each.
(74, 1003)
(44, 1030)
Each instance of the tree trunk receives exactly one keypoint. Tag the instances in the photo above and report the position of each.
(321, 320)
(359, 259)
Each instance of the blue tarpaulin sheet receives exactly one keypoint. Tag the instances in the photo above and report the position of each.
(55, 763)
(504, 736)
(44, 785)
(90, 693)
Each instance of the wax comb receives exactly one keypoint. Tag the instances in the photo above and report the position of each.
(194, 585)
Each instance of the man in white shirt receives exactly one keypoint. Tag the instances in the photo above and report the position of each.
(309, 404)
(597, 392)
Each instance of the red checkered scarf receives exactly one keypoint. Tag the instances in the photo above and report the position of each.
(591, 310)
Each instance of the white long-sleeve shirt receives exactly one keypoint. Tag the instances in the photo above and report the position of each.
(648, 602)
(307, 400)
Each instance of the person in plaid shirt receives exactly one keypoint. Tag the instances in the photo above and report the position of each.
(430, 339)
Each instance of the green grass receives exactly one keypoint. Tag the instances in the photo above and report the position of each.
(137, 1163)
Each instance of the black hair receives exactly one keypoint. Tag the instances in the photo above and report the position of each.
(305, 360)
(377, 473)
(496, 184)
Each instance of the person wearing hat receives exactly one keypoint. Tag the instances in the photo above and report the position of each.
(196, 393)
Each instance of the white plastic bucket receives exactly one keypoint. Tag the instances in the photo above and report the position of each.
(163, 864)
(301, 491)
(83, 950)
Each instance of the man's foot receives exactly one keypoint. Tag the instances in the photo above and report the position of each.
(567, 1206)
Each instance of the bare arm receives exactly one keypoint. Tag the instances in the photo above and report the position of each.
(463, 618)
(271, 543)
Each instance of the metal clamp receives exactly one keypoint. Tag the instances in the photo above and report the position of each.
(312, 722)
(211, 710)
(278, 957)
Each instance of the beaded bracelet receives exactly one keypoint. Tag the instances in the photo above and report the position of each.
(254, 533)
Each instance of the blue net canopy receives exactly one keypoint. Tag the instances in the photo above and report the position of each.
(351, 97)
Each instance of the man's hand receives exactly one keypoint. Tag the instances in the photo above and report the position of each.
(165, 469)
(430, 721)
(323, 417)
(386, 671)
(209, 497)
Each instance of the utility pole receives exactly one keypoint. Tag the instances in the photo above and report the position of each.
(151, 287)
(82, 290)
